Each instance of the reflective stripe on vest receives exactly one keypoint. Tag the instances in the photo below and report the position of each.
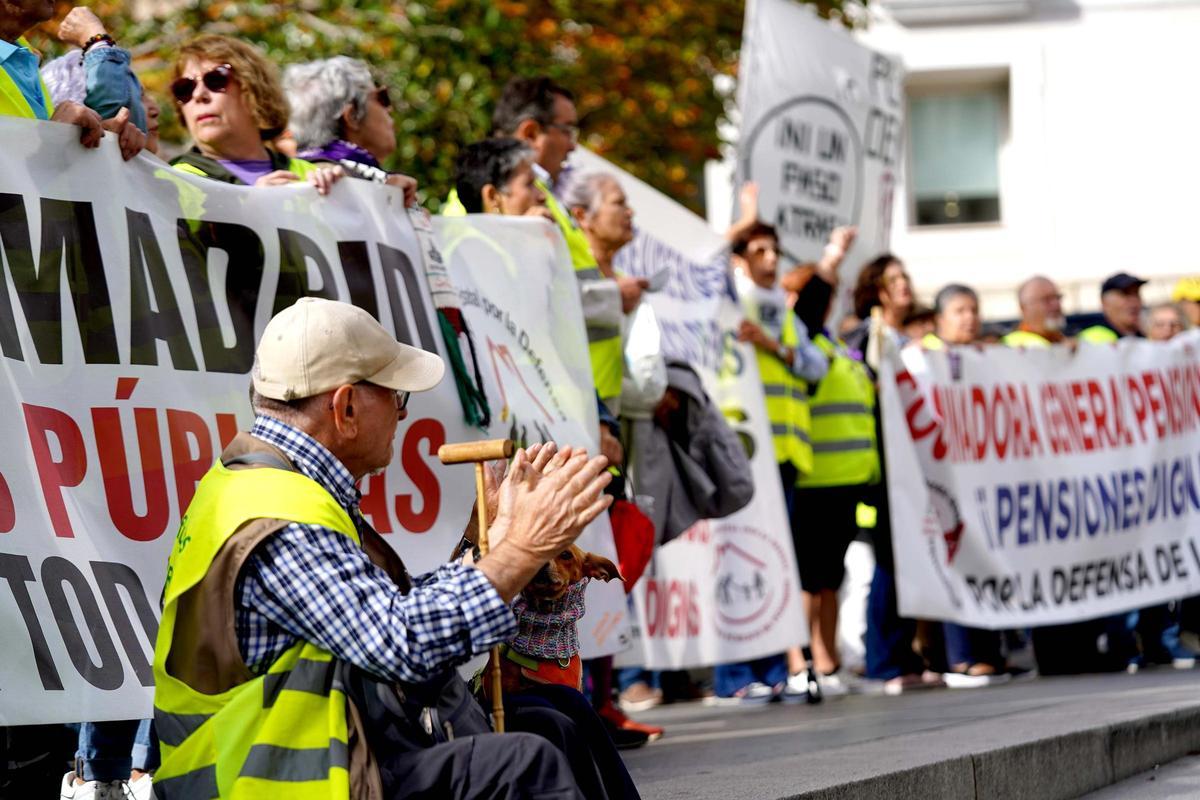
(843, 423)
(787, 405)
(866, 516)
(13, 102)
(283, 733)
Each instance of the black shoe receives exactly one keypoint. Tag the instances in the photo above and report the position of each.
(627, 740)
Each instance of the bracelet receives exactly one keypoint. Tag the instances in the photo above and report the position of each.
(97, 39)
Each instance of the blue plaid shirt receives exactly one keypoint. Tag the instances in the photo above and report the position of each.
(308, 582)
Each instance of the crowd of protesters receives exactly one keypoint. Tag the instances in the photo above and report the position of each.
(326, 121)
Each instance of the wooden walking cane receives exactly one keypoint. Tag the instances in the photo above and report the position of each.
(476, 453)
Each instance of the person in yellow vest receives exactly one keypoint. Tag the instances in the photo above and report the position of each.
(974, 655)
(495, 176)
(787, 362)
(542, 114)
(23, 94)
(1121, 304)
(1042, 319)
(845, 464)
(230, 98)
(296, 657)
(1157, 627)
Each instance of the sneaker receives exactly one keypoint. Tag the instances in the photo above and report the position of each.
(116, 790)
(627, 740)
(95, 790)
(965, 680)
(752, 694)
(640, 697)
(141, 788)
(1177, 656)
(835, 684)
(755, 694)
(76, 791)
(615, 719)
(913, 682)
(800, 689)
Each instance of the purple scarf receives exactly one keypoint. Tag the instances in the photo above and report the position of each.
(337, 150)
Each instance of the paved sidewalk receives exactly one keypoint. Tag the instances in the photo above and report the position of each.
(1045, 738)
(1179, 780)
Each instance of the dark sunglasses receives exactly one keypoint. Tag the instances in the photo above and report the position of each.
(215, 80)
(385, 99)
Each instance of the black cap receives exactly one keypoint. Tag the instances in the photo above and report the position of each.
(1121, 282)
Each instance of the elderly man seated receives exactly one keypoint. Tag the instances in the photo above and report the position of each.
(296, 656)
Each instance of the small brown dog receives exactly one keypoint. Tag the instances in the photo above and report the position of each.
(546, 649)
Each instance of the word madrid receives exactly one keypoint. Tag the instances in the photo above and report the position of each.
(69, 238)
(1022, 422)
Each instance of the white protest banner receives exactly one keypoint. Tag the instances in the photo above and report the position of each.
(1041, 486)
(521, 299)
(131, 301)
(728, 589)
(821, 132)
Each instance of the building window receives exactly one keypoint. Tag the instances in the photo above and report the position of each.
(956, 136)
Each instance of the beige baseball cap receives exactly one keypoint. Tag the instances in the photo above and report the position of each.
(316, 345)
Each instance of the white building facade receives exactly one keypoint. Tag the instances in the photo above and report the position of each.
(1058, 138)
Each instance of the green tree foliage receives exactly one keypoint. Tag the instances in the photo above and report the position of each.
(643, 72)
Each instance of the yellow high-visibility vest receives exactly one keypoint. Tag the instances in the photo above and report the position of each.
(1019, 338)
(13, 102)
(787, 404)
(843, 423)
(282, 734)
(1098, 334)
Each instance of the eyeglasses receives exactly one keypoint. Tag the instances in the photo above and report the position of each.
(382, 97)
(215, 80)
(572, 131)
(401, 397)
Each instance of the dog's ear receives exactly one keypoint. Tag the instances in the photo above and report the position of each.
(601, 568)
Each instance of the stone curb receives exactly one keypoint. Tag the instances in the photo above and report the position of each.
(1053, 768)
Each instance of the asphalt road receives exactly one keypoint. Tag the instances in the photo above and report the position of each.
(779, 751)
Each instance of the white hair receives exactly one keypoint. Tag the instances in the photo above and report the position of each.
(584, 191)
(319, 91)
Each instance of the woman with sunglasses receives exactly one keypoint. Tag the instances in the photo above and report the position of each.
(341, 116)
(229, 97)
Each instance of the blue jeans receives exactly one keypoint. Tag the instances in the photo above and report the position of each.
(628, 676)
(109, 750)
(1159, 628)
(889, 637)
(729, 678)
(972, 646)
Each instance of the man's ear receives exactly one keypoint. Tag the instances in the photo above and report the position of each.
(342, 410)
(600, 568)
(527, 130)
(490, 196)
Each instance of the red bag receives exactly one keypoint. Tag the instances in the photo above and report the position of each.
(633, 534)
